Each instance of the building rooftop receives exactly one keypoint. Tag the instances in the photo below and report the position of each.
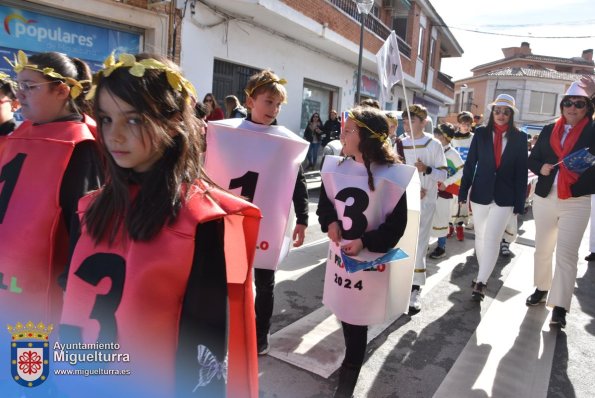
(540, 73)
(524, 53)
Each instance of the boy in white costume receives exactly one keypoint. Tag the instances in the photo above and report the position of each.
(461, 143)
(425, 153)
(447, 189)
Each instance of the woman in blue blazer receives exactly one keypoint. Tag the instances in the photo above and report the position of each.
(496, 174)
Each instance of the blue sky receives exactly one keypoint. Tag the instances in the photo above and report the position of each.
(520, 17)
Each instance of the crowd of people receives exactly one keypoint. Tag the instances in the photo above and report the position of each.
(130, 222)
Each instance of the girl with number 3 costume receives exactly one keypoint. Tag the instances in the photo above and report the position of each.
(363, 208)
(163, 262)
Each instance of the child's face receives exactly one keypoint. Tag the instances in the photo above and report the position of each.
(124, 134)
(7, 107)
(265, 107)
(441, 138)
(350, 138)
(416, 123)
(41, 100)
(392, 129)
(465, 127)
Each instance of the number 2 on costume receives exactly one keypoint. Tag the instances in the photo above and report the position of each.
(9, 175)
(92, 270)
(248, 184)
(355, 212)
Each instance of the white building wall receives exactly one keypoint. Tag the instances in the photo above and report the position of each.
(245, 44)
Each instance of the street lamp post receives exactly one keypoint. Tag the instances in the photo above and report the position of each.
(363, 7)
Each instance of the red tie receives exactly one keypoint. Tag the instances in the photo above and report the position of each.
(499, 131)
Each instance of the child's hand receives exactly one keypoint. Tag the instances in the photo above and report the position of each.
(299, 233)
(423, 193)
(334, 232)
(441, 186)
(353, 248)
(421, 166)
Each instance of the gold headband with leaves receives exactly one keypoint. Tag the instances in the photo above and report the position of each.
(138, 68)
(440, 130)
(262, 83)
(379, 136)
(21, 62)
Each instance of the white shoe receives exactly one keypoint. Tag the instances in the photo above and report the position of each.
(415, 302)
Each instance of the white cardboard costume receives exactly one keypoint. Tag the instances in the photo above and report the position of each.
(462, 145)
(460, 213)
(259, 162)
(371, 296)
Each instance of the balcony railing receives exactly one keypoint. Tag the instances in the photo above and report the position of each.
(446, 80)
(372, 23)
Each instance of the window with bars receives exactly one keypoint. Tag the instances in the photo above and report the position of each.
(231, 79)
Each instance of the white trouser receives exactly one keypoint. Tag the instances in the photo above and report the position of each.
(425, 226)
(490, 222)
(592, 236)
(559, 224)
(510, 233)
(441, 217)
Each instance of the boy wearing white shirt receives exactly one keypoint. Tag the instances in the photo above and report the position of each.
(425, 153)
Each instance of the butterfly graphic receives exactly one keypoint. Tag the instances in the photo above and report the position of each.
(209, 367)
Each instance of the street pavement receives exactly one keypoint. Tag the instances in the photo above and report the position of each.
(453, 348)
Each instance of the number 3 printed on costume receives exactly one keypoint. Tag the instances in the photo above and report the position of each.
(354, 211)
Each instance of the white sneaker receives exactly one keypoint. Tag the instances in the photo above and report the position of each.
(415, 302)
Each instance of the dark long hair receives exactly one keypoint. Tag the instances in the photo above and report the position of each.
(170, 125)
(373, 150)
(67, 67)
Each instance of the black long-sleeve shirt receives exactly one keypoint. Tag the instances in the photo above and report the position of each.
(7, 127)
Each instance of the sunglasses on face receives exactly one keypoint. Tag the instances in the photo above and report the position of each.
(577, 104)
(505, 112)
(208, 100)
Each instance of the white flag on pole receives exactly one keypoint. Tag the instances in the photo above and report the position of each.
(389, 65)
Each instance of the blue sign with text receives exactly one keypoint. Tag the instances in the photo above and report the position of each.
(33, 32)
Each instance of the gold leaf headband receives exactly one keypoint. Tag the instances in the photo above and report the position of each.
(379, 136)
(440, 130)
(174, 78)
(262, 83)
(21, 62)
